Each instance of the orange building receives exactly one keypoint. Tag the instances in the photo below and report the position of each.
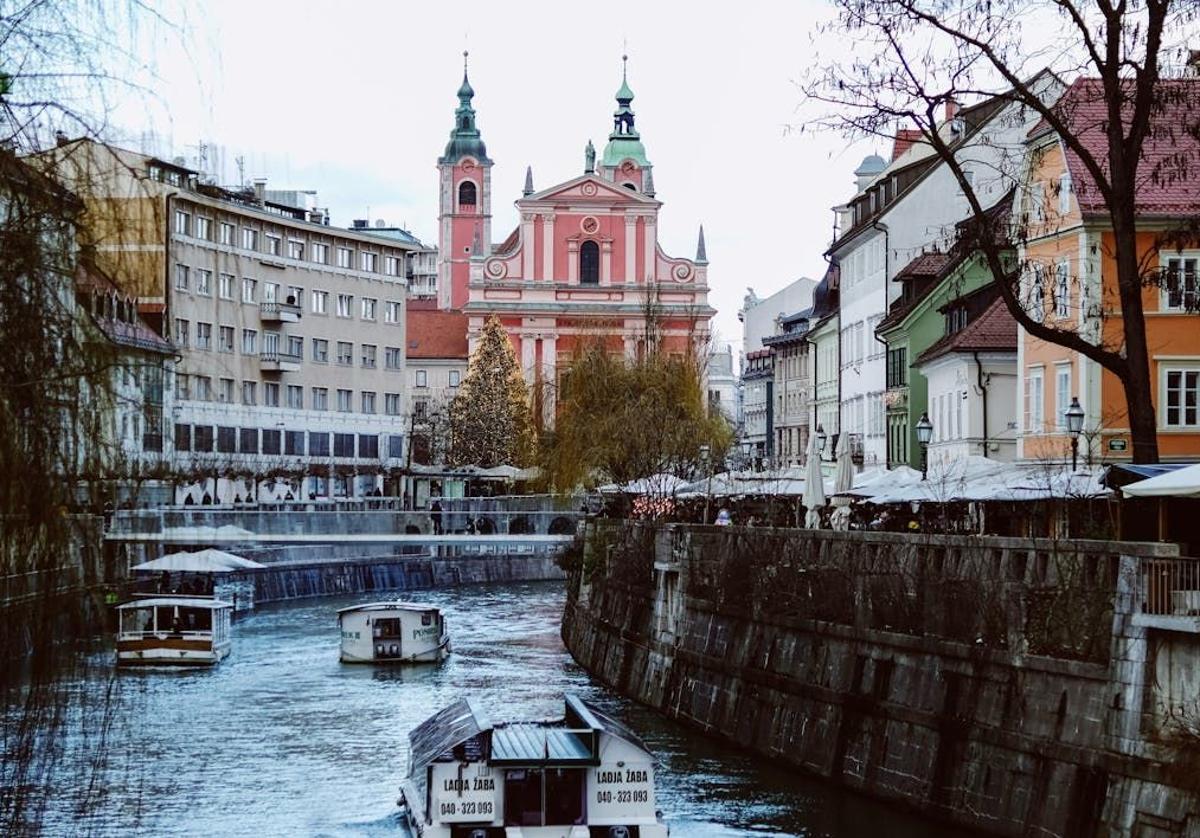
(1070, 281)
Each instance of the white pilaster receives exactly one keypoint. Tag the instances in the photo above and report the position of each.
(606, 263)
(550, 376)
(547, 247)
(630, 248)
(573, 262)
(528, 357)
(527, 245)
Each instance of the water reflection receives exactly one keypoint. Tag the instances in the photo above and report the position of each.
(283, 738)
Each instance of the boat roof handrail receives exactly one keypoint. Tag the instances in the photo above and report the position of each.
(389, 606)
(185, 602)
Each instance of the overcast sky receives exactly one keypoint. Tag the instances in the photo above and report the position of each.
(356, 100)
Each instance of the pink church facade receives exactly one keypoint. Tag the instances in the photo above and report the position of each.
(583, 263)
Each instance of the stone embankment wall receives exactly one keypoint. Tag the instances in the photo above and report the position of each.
(1009, 685)
(397, 573)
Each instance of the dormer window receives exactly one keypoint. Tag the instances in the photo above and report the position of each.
(956, 319)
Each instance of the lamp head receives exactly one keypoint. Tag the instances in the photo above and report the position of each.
(924, 429)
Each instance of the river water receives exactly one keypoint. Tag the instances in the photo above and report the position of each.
(282, 739)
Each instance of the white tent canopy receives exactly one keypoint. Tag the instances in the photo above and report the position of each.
(980, 479)
(662, 484)
(787, 482)
(1181, 483)
(200, 561)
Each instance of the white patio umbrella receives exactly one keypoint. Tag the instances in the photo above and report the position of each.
(1181, 483)
(843, 482)
(814, 485)
(200, 561)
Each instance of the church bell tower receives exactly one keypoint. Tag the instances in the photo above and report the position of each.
(464, 201)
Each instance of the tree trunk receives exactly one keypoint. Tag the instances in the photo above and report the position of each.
(1138, 383)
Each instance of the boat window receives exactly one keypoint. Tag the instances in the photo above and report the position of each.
(565, 796)
(196, 619)
(389, 627)
(523, 797)
(427, 619)
(167, 618)
(137, 619)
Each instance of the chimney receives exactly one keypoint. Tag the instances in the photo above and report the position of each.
(260, 190)
(951, 109)
(60, 138)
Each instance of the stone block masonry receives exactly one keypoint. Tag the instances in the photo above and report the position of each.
(398, 573)
(1008, 685)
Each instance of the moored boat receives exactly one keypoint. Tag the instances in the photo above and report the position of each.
(582, 776)
(393, 632)
(173, 631)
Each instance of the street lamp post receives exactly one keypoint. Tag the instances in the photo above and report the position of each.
(924, 434)
(708, 477)
(820, 442)
(1075, 418)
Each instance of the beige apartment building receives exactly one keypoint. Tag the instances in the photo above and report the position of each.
(290, 333)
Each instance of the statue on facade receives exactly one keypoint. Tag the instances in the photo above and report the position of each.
(589, 166)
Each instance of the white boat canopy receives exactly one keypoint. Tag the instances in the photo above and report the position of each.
(1181, 483)
(173, 601)
(200, 561)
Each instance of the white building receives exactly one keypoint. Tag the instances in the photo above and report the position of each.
(760, 319)
(972, 381)
(901, 209)
(722, 383)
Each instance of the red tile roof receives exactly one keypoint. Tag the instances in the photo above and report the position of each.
(436, 334)
(1169, 172)
(132, 331)
(995, 330)
(927, 264)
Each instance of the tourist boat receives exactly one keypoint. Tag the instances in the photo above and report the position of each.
(581, 776)
(173, 631)
(393, 632)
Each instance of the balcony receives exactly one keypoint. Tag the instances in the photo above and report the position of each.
(278, 360)
(279, 312)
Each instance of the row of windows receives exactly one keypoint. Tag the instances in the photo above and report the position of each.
(271, 242)
(199, 281)
(200, 388)
(422, 378)
(224, 439)
(1035, 398)
(275, 345)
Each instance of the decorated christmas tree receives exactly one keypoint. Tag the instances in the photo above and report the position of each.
(490, 420)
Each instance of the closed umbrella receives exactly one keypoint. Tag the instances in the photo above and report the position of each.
(814, 485)
(843, 482)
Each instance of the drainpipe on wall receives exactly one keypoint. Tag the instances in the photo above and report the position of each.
(887, 437)
(983, 391)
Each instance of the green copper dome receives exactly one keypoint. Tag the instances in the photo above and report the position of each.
(624, 142)
(465, 140)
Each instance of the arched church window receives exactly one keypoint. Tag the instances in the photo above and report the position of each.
(589, 263)
(466, 194)
(466, 123)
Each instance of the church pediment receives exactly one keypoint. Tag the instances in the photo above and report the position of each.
(587, 189)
